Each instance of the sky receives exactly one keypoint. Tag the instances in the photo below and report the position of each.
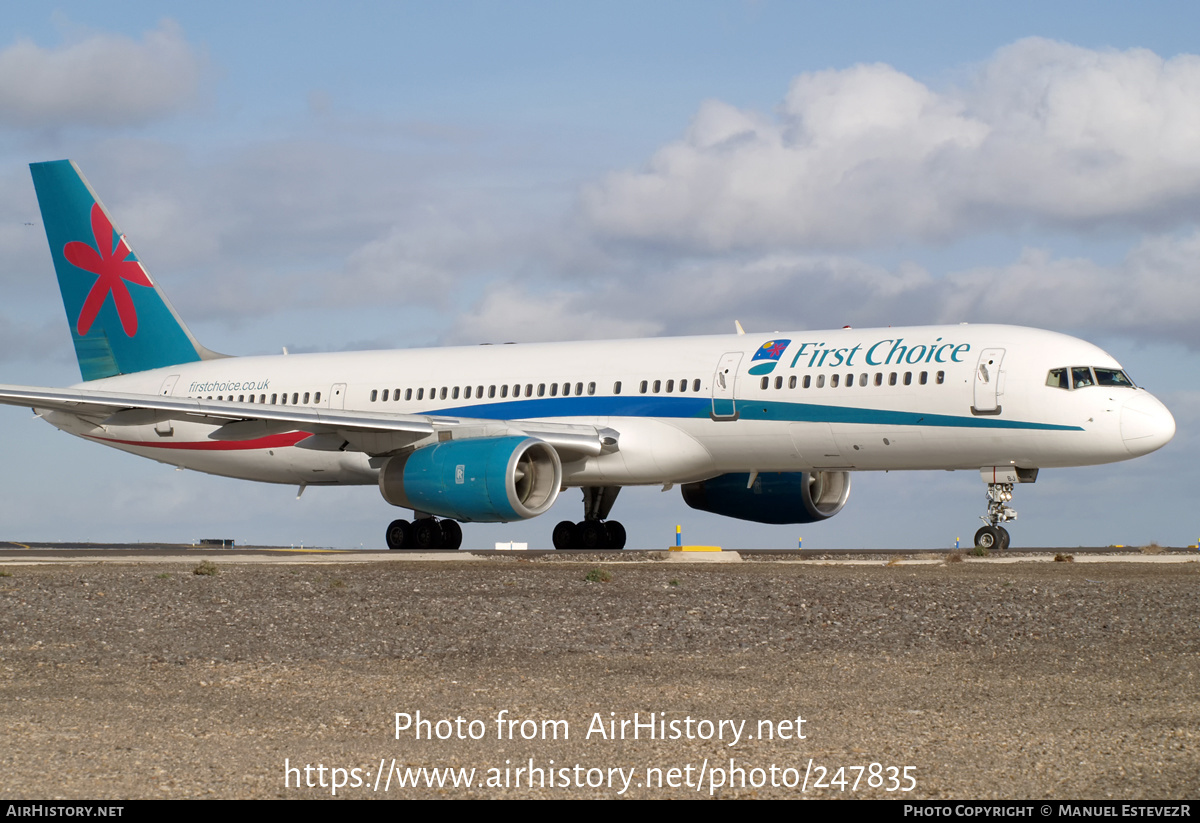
(395, 175)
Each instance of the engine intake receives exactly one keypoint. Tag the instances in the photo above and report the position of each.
(774, 497)
(489, 480)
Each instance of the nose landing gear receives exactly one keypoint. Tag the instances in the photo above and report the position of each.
(1000, 482)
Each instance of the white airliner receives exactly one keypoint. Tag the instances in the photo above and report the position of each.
(758, 427)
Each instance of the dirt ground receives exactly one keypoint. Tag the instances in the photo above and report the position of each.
(963, 680)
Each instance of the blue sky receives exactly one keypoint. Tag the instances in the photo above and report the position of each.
(364, 175)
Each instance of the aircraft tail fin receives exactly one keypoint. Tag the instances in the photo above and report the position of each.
(120, 320)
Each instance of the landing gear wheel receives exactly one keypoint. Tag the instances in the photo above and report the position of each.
(988, 538)
(564, 536)
(616, 535)
(451, 535)
(1004, 538)
(427, 534)
(399, 535)
(592, 535)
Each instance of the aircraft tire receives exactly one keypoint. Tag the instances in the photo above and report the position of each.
(451, 535)
(987, 538)
(427, 535)
(564, 536)
(592, 535)
(399, 535)
(616, 535)
(1004, 538)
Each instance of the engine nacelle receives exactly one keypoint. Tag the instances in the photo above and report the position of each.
(490, 480)
(775, 497)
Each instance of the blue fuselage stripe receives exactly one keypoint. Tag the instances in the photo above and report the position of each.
(700, 407)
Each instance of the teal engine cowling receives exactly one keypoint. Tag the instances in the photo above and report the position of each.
(488, 480)
(774, 497)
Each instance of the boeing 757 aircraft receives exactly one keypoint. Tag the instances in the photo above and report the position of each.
(767, 428)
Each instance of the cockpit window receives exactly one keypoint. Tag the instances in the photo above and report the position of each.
(1112, 377)
(1082, 376)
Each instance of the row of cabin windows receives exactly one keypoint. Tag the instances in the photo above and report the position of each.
(528, 390)
(492, 392)
(298, 399)
(834, 379)
(658, 386)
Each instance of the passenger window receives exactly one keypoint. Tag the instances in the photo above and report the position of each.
(764, 383)
(316, 399)
(591, 389)
(421, 394)
(491, 392)
(642, 388)
(241, 398)
(1081, 376)
(541, 389)
(792, 382)
(779, 382)
(454, 393)
(504, 390)
(553, 390)
(670, 386)
(833, 381)
(408, 394)
(283, 399)
(467, 393)
(878, 378)
(941, 377)
(566, 389)
(696, 384)
(807, 380)
(529, 390)
(479, 391)
(924, 378)
(385, 395)
(306, 398)
(273, 400)
(443, 393)
(908, 378)
(579, 388)
(820, 381)
(374, 395)
(617, 387)
(862, 379)
(849, 380)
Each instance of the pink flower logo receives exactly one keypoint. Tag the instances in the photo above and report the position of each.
(112, 270)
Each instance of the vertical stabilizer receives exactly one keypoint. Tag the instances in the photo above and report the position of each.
(120, 320)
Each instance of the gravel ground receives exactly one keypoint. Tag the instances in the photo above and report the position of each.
(1050, 680)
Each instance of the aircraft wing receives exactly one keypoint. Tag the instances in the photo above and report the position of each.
(376, 433)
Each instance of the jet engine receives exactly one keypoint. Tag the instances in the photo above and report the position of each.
(489, 480)
(773, 497)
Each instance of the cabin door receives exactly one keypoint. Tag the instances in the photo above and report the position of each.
(988, 382)
(724, 382)
(337, 396)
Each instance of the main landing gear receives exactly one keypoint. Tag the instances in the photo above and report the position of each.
(426, 534)
(594, 532)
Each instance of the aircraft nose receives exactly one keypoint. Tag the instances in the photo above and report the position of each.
(1146, 424)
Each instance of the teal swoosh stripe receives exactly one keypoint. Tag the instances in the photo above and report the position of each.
(642, 405)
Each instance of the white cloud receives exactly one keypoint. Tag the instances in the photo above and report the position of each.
(1045, 132)
(105, 80)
